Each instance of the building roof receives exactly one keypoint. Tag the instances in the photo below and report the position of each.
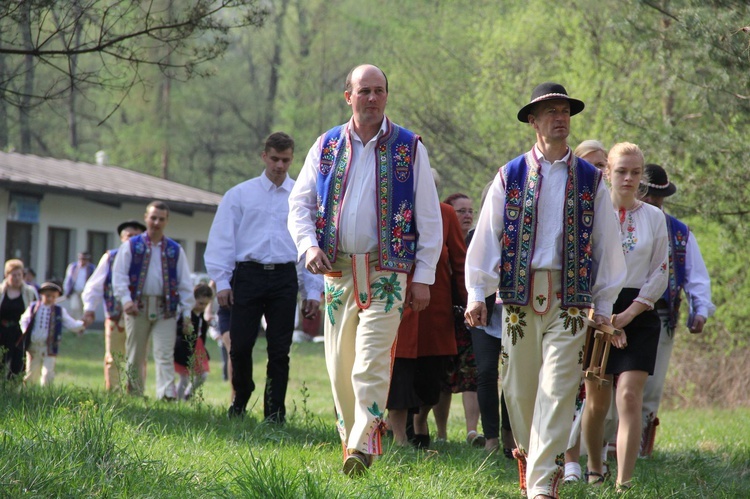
(112, 185)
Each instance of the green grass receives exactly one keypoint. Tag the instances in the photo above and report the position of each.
(73, 440)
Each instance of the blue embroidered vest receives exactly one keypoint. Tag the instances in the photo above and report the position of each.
(678, 240)
(395, 154)
(55, 328)
(140, 249)
(112, 305)
(522, 182)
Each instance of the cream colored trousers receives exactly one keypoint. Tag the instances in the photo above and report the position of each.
(363, 308)
(541, 369)
(39, 365)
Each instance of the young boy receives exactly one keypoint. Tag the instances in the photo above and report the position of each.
(190, 355)
(42, 325)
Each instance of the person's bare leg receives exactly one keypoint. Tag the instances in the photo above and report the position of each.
(629, 398)
(397, 420)
(592, 422)
(471, 410)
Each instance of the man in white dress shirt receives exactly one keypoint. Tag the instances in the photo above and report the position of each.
(99, 289)
(688, 273)
(365, 213)
(548, 241)
(151, 278)
(252, 259)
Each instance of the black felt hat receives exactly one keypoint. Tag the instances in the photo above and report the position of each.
(658, 182)
(131, 223)
(549, 91)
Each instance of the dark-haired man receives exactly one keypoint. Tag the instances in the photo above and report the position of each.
(688, 273)
(252, 259)
(151, 278)
(548, 235)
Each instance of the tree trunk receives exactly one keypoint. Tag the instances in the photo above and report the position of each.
(24, 118)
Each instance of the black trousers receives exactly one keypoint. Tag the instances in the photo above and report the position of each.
(487, 356)
(13, 357)
(258, 292)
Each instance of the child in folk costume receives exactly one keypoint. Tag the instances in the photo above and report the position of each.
(42, 324)
(190, 355)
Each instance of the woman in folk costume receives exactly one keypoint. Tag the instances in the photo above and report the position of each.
(644, 243)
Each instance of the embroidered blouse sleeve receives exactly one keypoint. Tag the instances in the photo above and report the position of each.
(658, 276)
(697, 281)
(483, 255)
(303, 202)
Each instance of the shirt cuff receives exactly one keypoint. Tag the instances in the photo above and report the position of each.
(313, 295)
(476, 294)
(424, 276)
(305, 245)
(645, 301)
(604, 308)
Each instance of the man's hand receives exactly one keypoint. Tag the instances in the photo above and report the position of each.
(697, 326)
(316, 262)
(225, 298)
(418, 296)
(310, 308)
(131, 308)
(476, 314)
(88, 318)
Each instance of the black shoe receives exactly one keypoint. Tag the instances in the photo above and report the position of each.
(421, 441)
(236, 411)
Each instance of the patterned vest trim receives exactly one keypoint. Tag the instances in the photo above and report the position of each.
(395, 155)
(112, 305)
(55, 328)
(519, 235)
(140, 249)
(678, 241)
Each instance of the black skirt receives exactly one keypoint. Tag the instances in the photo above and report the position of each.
(643, 338)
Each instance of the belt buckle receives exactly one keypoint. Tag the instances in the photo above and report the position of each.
(269, 266)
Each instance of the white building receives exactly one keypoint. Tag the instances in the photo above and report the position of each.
(51, 209)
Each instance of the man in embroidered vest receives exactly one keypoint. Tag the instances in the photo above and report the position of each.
(365, 213)
(151, 278)
(99, 288)
(548, 241)
(76, 276)
(252, 259)
(688, 273)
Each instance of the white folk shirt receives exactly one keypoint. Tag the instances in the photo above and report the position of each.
(250, 225)
(154, 282)
(646, 246)
(484, 252)
(42, 322)
(697, 282)
(79, 279)
(93, 293)
(358, 222)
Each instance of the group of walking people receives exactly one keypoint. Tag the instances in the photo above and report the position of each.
(413, 315)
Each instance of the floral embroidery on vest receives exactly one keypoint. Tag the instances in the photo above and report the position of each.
(401, 226)
(678, 234)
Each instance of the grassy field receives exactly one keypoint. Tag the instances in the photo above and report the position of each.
(73, 440)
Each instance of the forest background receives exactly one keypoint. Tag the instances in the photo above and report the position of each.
(193, 102)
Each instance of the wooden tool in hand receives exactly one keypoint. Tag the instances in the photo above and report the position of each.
(596, 349)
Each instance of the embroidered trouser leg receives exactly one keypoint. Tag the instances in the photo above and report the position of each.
(362, 317)
(139, 328)
(541, 375)
(654, 388)
(114, 353)
(40, 367)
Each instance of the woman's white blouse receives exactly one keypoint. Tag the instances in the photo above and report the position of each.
(645, 244)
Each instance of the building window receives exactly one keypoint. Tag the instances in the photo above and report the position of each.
(96, 244)
(58, 253)
(18, 242)
(200, 265)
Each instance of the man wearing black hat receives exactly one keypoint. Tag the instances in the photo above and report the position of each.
(687, 272)
(548, 241)
(98, 288)
(76, 276)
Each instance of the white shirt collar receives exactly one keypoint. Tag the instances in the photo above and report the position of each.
(381, 132)
(541, 157)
